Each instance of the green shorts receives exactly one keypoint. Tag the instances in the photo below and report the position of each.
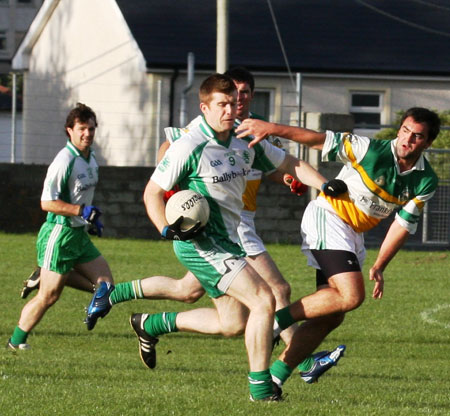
(60, 248)
(214, 261)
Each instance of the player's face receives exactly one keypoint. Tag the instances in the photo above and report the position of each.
(412, 141)
(220, 112)
(82, 135)
(244, 98)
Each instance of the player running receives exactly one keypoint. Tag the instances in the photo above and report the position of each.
(382, 176)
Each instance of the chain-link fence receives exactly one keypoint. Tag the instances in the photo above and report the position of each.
(436, 217)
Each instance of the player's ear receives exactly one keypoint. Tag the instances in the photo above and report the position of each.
(203, 107)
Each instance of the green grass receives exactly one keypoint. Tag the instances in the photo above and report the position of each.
(396, 362)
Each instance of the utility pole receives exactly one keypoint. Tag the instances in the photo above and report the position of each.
(222, 36)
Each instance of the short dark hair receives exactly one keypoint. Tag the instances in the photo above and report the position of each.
(215, 83)
(82, 113)
(241, 74)
(423, 115)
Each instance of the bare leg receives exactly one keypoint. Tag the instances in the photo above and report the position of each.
(188, 289)
(345, 292)
(268, 270)
(95, 271)
(50, 289)
(78, 281)
(228, 319)
(308, 337)
(323, 311)
(246, 289)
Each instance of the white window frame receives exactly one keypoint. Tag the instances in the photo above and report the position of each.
(271, 92)
(381, 109)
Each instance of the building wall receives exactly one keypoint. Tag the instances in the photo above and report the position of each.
(119, 195)
(15, 19)
(87, 54)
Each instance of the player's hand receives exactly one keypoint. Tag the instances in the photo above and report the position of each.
(258, 129)
(297, 187)
(377, 275)
(334, 188)
(174, 231)
(90, 213)
(96, 228)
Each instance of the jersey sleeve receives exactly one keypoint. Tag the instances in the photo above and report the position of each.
(409, 215)
(177, 163)
(55, 184)
(267, 157)
(344, 147)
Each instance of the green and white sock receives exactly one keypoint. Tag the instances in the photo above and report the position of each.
(19, 336)
(126, 291)
(161, 323)
(260, 383)
(306, 364)
(280, 372)
(284, 318)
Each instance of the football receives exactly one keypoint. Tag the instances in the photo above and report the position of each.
(192, 205)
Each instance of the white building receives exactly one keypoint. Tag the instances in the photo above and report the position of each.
(127, 60)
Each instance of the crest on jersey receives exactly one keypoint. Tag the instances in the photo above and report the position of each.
(405, 195)
(246, 156)
(380, 181)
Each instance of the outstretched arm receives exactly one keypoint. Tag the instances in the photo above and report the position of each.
(393, 241)
(303, 171)
(260, 129)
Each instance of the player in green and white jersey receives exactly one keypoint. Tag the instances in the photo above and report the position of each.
(63, 243)
(382, 176)
(210, 160)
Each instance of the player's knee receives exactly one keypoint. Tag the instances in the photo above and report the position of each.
(282, 292)
(238, 328)
(354, 300)
(264, 302)
(193, 296)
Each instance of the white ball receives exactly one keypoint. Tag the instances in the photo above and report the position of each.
(192, 205)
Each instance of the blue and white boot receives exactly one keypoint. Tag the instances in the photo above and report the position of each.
(323, 361)
(100, 304)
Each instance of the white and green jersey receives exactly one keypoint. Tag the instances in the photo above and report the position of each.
(71, 178)
(199, 161)
(376, 186)
(253, 178)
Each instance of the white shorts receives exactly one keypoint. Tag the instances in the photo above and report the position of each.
(250, 241)
(322, 229)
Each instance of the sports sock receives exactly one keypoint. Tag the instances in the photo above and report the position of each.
(280, 372)
(306, 364)
(284, 318)
(19, 336)
(260, 383)
(161, 323)
(126, 291)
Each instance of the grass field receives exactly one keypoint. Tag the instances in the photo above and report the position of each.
(397, 360)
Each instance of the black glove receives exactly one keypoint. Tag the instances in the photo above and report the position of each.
(334, 188)
(91, 214)
(96, 228)
(174, 231)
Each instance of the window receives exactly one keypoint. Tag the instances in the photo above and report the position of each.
(2, 40)
(262, 103)
(367, 109)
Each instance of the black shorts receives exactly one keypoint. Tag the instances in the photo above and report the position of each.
(333, 262)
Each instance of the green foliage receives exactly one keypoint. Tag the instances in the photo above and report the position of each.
(441, 142)
(6, 81)
(396, 362)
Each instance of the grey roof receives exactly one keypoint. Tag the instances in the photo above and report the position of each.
(408, 37)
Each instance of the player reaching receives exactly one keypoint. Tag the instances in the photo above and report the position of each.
(382, 176)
